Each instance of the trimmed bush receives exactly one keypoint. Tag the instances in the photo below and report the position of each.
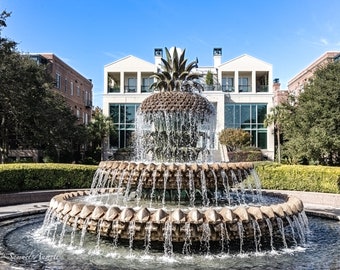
(42, 176)
(299, 177)
(241, 156)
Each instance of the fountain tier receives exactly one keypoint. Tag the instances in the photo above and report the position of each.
(216, 222)
(170, 175)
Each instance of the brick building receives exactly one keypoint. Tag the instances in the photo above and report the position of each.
(297, 83)
(74, 87)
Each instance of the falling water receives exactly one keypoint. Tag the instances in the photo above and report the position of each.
(99, 229)
(83, 232)
(154, 178)
(132, 230)
(235, 181)
(224, 237)
(165, 177)
(257, 235)
(191, 189)
(216, 187)
(120, 183)
(282, 231)
(291, 225)
(187, 241)
(147, 240)
(226, 185)
(300, 229)
(55, 228)
(62, 234)
(179, 185)
(240, 229)
(168, 247)
(205, 200)
(140, 187)
(270, 229)
(115, 233)
(205, 240)
(128, 186)
(74, 229)
(257, 183)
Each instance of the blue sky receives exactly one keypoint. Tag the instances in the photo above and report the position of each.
(88, 34)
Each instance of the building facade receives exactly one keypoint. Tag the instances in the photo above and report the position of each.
(297, 83)
(241, 91)
(74, 87)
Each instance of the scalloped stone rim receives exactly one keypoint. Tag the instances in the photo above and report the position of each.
(115, 221)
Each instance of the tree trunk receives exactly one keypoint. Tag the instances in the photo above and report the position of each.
(278, 146)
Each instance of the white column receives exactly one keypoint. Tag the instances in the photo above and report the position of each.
(139, 82)
(105, 83)
(253, 81)
(270, 81)
(236, 80)
(122, 82)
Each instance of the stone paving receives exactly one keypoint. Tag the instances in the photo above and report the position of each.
(318, 204)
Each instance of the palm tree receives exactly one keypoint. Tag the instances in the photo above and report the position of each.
(276, 118)
(99, 129)
(175, 75)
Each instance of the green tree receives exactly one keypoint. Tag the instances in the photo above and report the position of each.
(313, 128)
(31, 115)
(175, 74)
(234, 138)
(99, 129)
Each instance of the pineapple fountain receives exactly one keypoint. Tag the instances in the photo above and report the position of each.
(173, 195)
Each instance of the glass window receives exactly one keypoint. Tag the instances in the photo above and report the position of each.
(229, 116)
(65, 85)
(123, 116)
(262, 139)
(114, 113)
(261, 115)
(243, 85)
(146, 83)
(249, 117)
(228, 84)
(58, 81)
(245, 116)
(132, 85)
(130, 116)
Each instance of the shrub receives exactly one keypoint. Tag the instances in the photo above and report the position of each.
(234, 138)
(40, 176)
(299, 177)
(250, 155)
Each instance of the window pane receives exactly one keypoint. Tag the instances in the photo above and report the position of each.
(237, 117)
(262, 139)
(130, 114)
(229, 116)
(114, 113)
(132, 84)
(261, 113)
(245, 116)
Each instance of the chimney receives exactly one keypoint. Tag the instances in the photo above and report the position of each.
(217, 52)
(276, 84)
(158, 56)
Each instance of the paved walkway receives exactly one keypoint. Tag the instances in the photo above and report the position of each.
(318, 204)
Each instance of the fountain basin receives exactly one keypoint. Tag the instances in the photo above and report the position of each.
(166, 175)
(196, 223)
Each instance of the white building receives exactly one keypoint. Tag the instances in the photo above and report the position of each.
(242, 94)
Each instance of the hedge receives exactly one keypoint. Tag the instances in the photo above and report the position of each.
(42, 176)
(299, 177)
